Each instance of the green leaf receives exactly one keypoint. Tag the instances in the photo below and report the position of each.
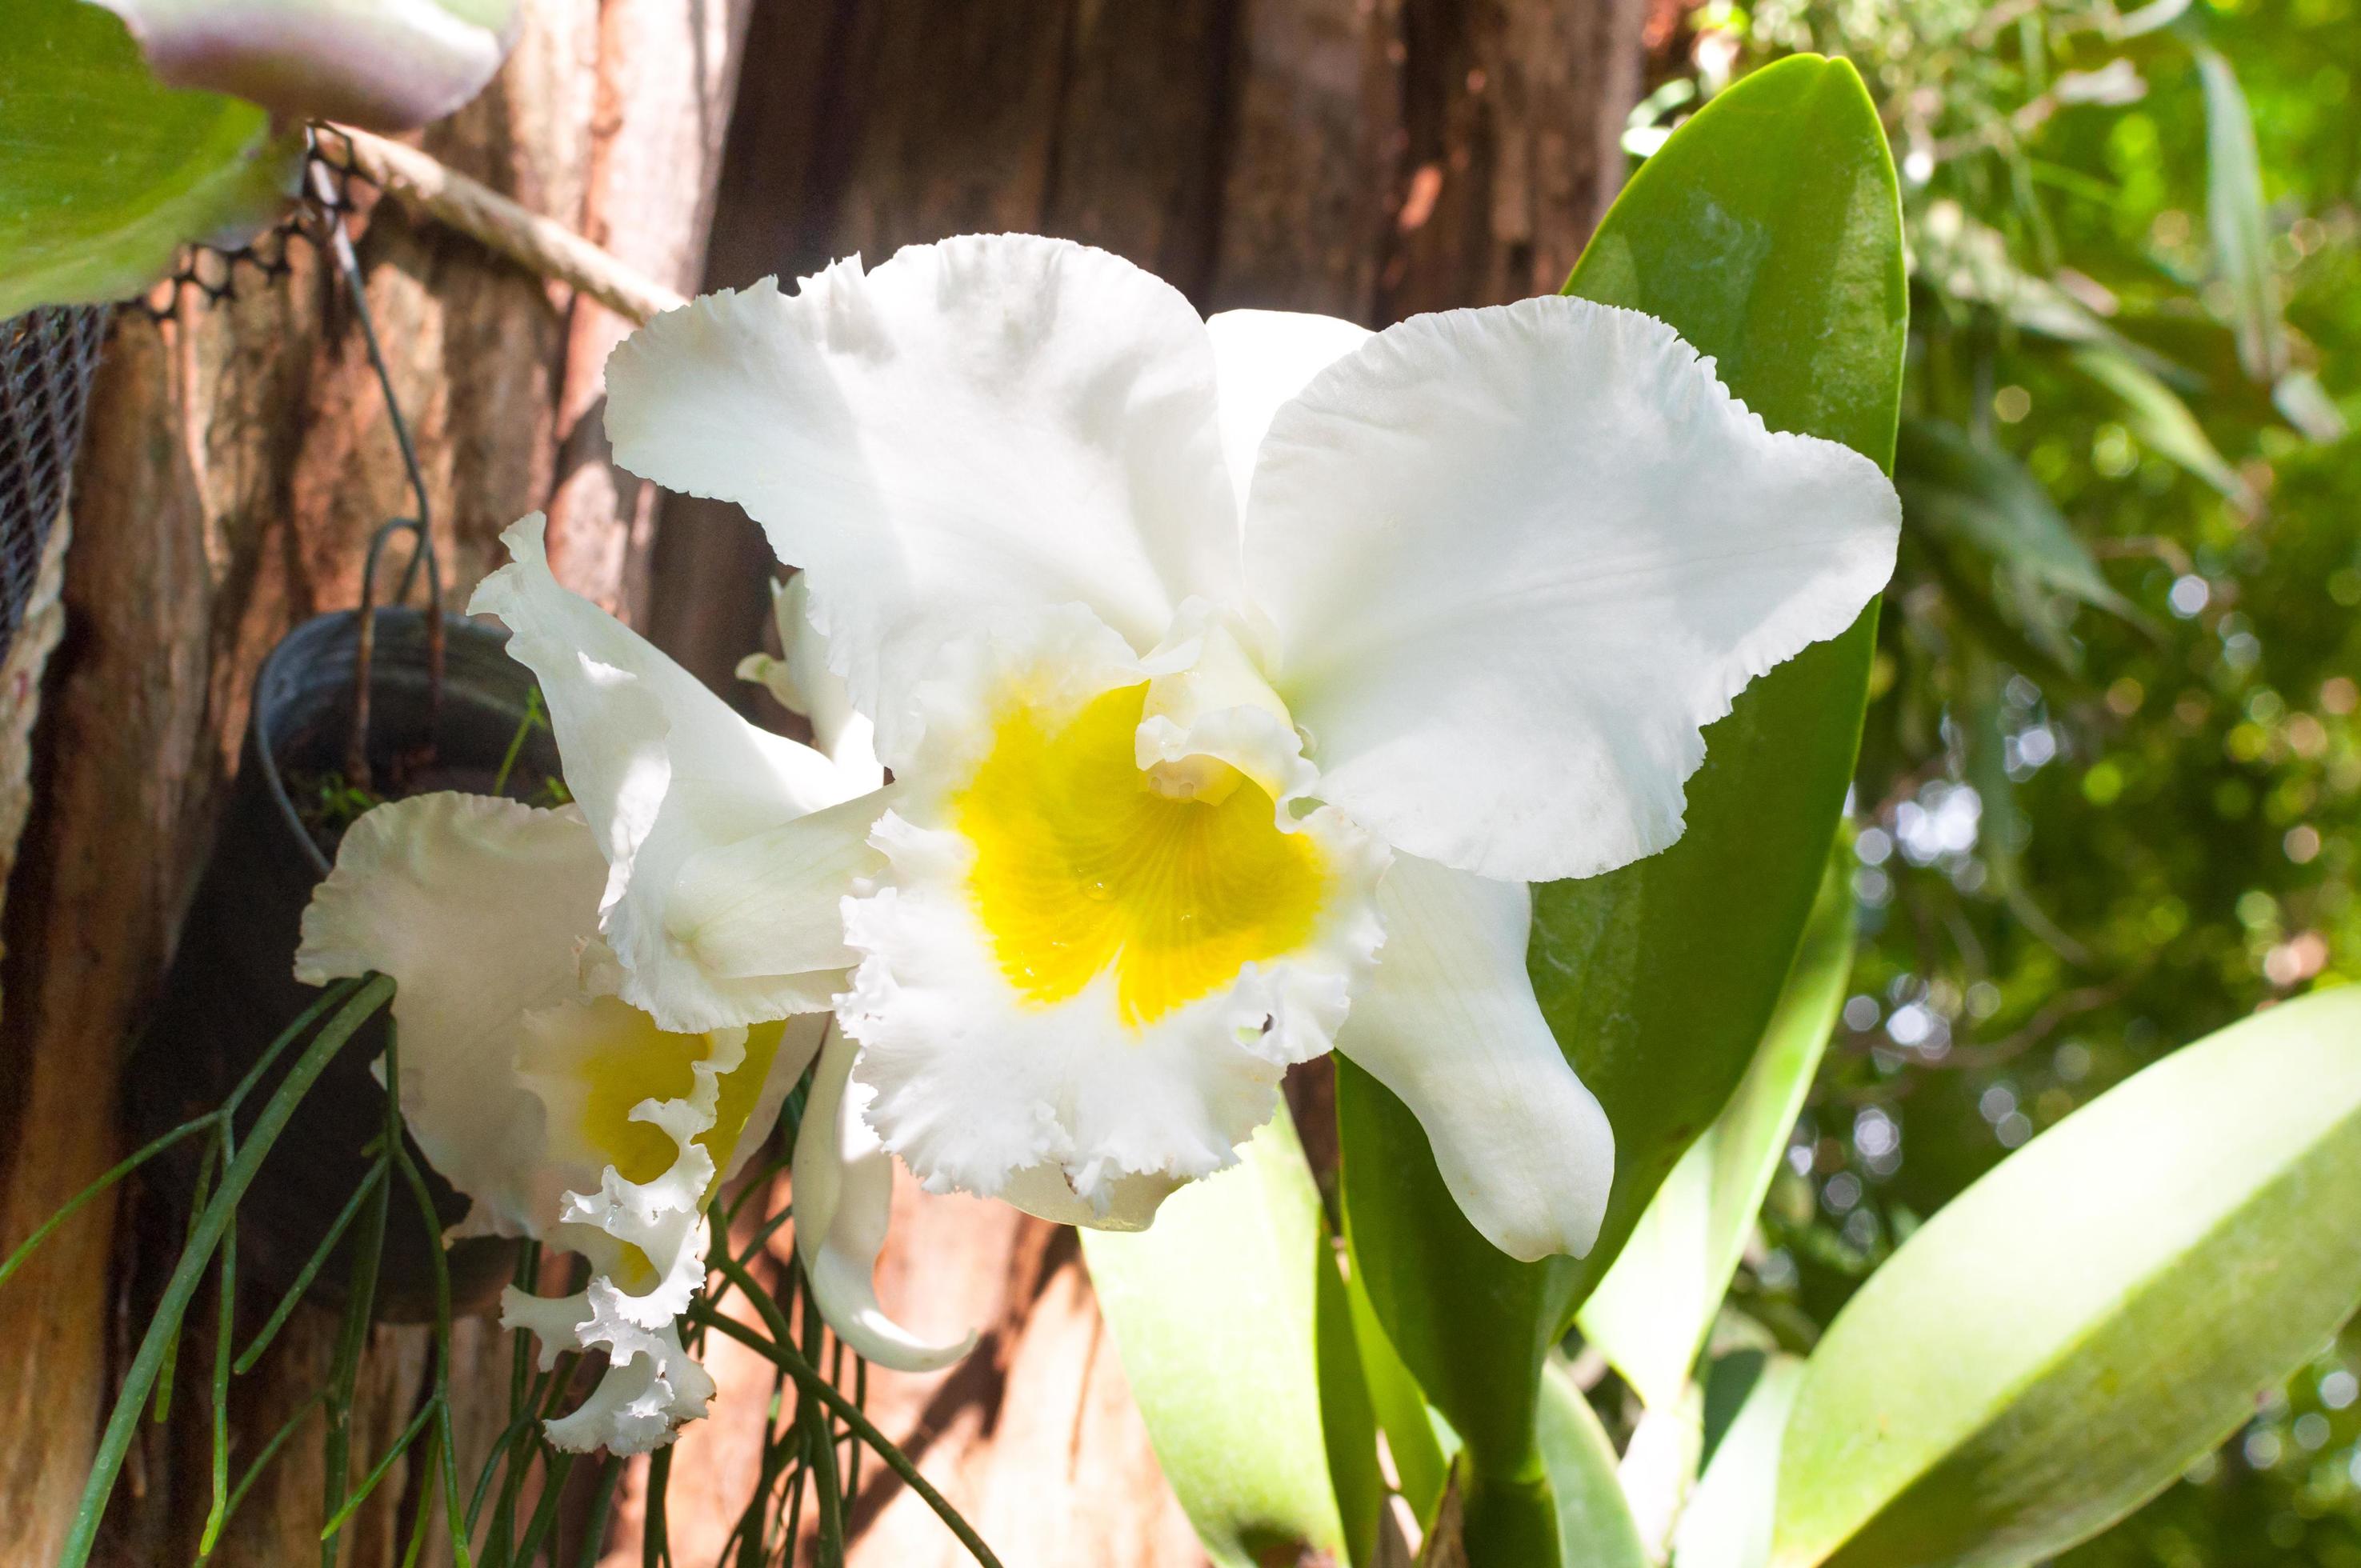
(1767, 231)
(1964, 491)
(1650, 1316)
(1422, 1445)
(106, 173)
(1594, 1528)
(1215, 1313)
(387, 65)
(2159, 418)
(2233, 219)
(2061, 1341)
(1727, 1521)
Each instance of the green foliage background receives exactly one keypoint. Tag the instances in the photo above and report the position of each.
(2108, 793)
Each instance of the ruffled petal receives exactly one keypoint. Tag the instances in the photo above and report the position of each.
(1090, 1092)
(666, 773)
(1517, 558)
(843, 1199)
(1449, 1023)
(990, 423)
(643, 1228)
(1262, 358)
(477, 907)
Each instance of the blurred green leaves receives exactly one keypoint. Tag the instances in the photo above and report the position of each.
(2233, 219)
(1766, 232)
(2062, 1340)
(107, 174)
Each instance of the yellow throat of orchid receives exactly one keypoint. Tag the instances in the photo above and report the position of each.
(1085, 863)
(638, 1062)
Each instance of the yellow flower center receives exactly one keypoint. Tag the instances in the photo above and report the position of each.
(1082, 866)
(639, 1061)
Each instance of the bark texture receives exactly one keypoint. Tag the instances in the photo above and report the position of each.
(1363, 157)
(237, 458)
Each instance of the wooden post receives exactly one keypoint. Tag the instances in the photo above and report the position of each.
(1367, 158)
(237, 458)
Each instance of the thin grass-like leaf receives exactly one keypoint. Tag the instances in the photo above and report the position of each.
(310, 1271)
(145, 1364)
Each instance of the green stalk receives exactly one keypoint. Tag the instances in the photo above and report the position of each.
(784, 1354)
(310, 1271)
(448, 1443)
(145, 1366)
(225, 1342)
(16, 1260)
(377, 1474)
(352, 1338)
(254, 1471)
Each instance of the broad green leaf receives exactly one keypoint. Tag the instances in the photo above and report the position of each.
(1961, 491)
(1727, 1521)
(1422, 1444)
(2233, 219)
(105, 173)
(1348, 1418)
(1594, 1528)
(1650, 1316)
(1215, 1313)
(2061, 1341)
(2158, 417)
(386, 65)
(1767, 231)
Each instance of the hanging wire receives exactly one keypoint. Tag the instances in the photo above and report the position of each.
(328, 216)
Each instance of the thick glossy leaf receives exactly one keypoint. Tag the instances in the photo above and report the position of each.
(2062, 1340)
(1727, 1521)
(1767, 231)
(1422, 1446)
(2233, 219)
(1215, 1312)
(1594, 1528)
(385, 65)
(1348, 1416)
(105, 172)
(1650, 1316)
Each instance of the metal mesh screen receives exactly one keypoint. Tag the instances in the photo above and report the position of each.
(46, 360)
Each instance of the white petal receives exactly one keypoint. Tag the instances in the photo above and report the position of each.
(1066, 1107)
(799, 1043)
(803, 683)
(477, 907)
(664, 771)
(1263, 359)
(647, 1240)
(1517, 558)
(1449, 1023)
(771, 905)
(994, 423)
(651, 1386)
(843, 1198)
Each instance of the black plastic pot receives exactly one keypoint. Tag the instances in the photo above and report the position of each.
(231, 990)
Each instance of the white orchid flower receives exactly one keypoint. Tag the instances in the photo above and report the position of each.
(561, 1111)
(1236, 677)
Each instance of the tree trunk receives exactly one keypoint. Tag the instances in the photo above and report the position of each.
(1367, 158)
(1362, 158)
(236, 460)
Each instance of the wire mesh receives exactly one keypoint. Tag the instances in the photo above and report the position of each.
(46, 360)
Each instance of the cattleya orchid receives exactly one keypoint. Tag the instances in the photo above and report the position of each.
(1237, 678)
